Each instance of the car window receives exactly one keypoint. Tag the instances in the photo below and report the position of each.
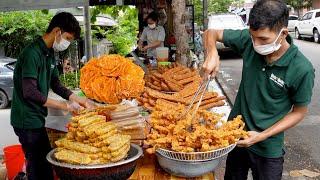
(5, 70)
(226, 22)
(306, 16)
(310, 16)
(11, 66)
(317, 14)
(293, 18)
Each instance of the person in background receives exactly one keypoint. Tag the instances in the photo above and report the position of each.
(275, 89)
(153, 34)
(34, 75)
(67, 68)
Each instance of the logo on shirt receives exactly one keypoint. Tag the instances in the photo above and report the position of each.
(277, 80)
(52, 66)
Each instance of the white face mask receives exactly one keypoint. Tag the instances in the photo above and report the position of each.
(268, 48)
(62, 45)
(152, 26)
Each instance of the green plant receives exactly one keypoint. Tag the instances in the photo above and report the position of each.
(70, 80)
(18, 29)
(124, 35)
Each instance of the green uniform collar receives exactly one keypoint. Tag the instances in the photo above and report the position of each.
(44, 47)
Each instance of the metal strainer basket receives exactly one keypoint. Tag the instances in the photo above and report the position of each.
(196, 156)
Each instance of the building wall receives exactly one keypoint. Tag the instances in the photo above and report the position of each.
(316, 4)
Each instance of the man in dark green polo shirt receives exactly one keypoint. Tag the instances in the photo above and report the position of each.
(276, 87)
(34, 75)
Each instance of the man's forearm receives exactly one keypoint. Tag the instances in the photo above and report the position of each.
(154, 45)
(212, 62)
(211, 37)
(289, 121)
(59, 89)
(56, 104)
(140, 43)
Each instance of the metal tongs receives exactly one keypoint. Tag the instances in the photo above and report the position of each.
(202, 89)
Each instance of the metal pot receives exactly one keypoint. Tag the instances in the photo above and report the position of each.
(187, 169)
(111, 171)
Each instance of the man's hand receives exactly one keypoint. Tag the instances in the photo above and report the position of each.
(212, 62)
(85, 102)
(74, 107)
(211, 65)
(89, 104)
(254, 137)
(144, 48)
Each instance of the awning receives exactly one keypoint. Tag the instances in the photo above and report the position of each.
(15, 5)
(100, 21)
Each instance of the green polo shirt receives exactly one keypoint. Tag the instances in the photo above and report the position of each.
(36, 61)
(267, 92)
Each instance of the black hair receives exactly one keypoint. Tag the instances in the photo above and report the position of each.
(66, 22)
(271, 14)
(153, 16)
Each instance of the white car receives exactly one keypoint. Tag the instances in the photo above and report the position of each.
(293, 19)
(225, 21)
(309, 26)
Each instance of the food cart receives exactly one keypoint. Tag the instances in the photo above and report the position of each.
(149, 166)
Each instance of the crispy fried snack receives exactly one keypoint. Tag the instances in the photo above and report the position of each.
(111, 78)
(117, 143)
(92, 140)
(93, 119)
(77, 146)
(72, 157)
(121, 156)
(170, 131)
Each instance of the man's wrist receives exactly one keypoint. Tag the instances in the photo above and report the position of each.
(75, 98)
(263, 136)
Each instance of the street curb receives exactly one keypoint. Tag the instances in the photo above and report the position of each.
(225, 90)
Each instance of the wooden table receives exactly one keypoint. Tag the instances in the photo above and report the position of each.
(148, 169)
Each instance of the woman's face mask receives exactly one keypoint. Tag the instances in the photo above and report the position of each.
(152, 26)
(62, 45)
(267, 49)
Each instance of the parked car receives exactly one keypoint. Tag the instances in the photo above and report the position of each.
(293, 19)
(225, 21)
(309, 26)
(6, 80)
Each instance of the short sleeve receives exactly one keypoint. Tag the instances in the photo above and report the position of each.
(236, 39)
(143, 36)
(30, 64)
(302, 89)
(162, 34)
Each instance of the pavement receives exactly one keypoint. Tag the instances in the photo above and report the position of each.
(7, 136)
(302, 142)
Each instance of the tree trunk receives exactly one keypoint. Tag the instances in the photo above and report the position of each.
(180, 32)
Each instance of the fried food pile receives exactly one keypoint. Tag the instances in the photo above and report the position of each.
(92, 140)
(181, 82)
(170, 131)
(210, 99)
(171, 78)
(111, 78)
(127, 119)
